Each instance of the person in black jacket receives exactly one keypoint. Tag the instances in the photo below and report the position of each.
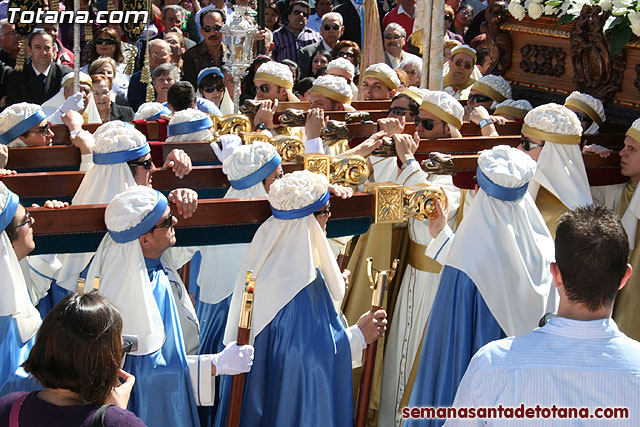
(41, 79)
(108, 109)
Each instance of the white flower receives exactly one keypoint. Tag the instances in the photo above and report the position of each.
(535, 10)
(621, 7)
(516, 10)
(550, 10)
(606, 4)
(634, 18)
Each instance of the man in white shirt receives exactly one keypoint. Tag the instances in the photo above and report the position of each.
(580, 359)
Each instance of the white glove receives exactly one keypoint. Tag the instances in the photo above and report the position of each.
(233, 360)
(74, 102)
(229, 143)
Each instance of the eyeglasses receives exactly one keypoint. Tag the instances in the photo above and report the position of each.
(27, 220)
(480, 98)
(264, 88)
(301, 12)
(167, 223)
(209, 28)
(428, 124)
(529, 145)
(160, 55)
(334, 27)
(209, 89)
(398, 111)
(325, 211)
(345, 55)
(145, 163)
(108, 42)
(393, 36)
(44, 129)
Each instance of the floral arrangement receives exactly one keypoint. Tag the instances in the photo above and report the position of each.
(623, 22)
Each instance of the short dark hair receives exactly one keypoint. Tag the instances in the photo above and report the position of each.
(213, 10)
(181, 96)
(304, 85)
(483, 55)
(592, 251)
(413, 105)
(39, 32)
(12, 228)
(79, 347)
(298, 3)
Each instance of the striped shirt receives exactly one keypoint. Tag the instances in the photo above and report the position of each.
(287, 44)
(566, 363)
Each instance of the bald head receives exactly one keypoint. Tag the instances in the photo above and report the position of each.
(159, 53)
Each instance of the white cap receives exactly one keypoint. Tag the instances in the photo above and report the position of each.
(16, 119)
(590, 106)
(343, 64)
(247, 160)
(384, 73)
(495, 87)
(443, 106)
(553, 123)
(414, 93)
(507, 166)
(514, 107)
(150, 109)
(276, 73)
(334, 88)
(199, 119)
(297, 190)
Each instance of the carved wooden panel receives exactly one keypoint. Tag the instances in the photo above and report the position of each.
(543, 60)
(636, 82)
(498, 42)
(596, 72)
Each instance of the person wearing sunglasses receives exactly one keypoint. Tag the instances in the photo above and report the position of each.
(440, 116)
(404, 108)
(589, 110)
(458, 80)
(208, 53)
(292, 243)
(551, 136)
(379, 82)
(403, 14)
(137, 263)
(23, 280)
(289, 39)
(395, 38)
(211, 86)
(331, 30)
(485, 95)
(274, 82)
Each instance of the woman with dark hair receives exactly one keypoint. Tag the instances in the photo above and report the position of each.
(272, 16)
(106, 43)
(77, 358)
(211, 86)
(320, 60)
(462, 20)
(351, 51)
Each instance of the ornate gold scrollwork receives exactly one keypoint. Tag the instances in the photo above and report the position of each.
(233, 124)
(316, 163)
(420, 201)
(289, 147)
(249, 138)
(250, 107)
(335, 131)
(348, 171)
(388, 201)
(439, 164)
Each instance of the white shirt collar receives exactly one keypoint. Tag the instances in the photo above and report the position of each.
(326, 46)
(401, 10)
(45, 72)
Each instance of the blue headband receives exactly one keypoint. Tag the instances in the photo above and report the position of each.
(9, 210)
(22, 127)
(207, 72)
(497, 191)
(302, 212)
(145, 225)
(189, 127)
(166, 111)
(257, 176)
(121, 156)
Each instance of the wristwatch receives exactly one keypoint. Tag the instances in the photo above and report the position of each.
(260, 126)
(407, 163)
(485, 122)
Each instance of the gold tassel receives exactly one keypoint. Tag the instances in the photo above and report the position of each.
(88, 33)
(111, 6)
(55, 5)
(22, 55)
(131, 61)
(151, 93)
(81, 282)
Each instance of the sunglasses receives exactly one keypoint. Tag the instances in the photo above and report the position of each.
(480, 98)
(145, 163)
(164, 224)
(108, 42)
(44, 129)
(210, 28)
(398, 111)
(334, 27)
(529, 145)
(428, 124)
(345, 55)
(325, 211)
(27, 220)
(584, 118)
(300, 12)
(393, 37)
(264, 88)
(209, 89)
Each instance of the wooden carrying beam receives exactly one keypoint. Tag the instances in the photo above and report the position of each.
(216, 221)
(599, 171)
(209, 181)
